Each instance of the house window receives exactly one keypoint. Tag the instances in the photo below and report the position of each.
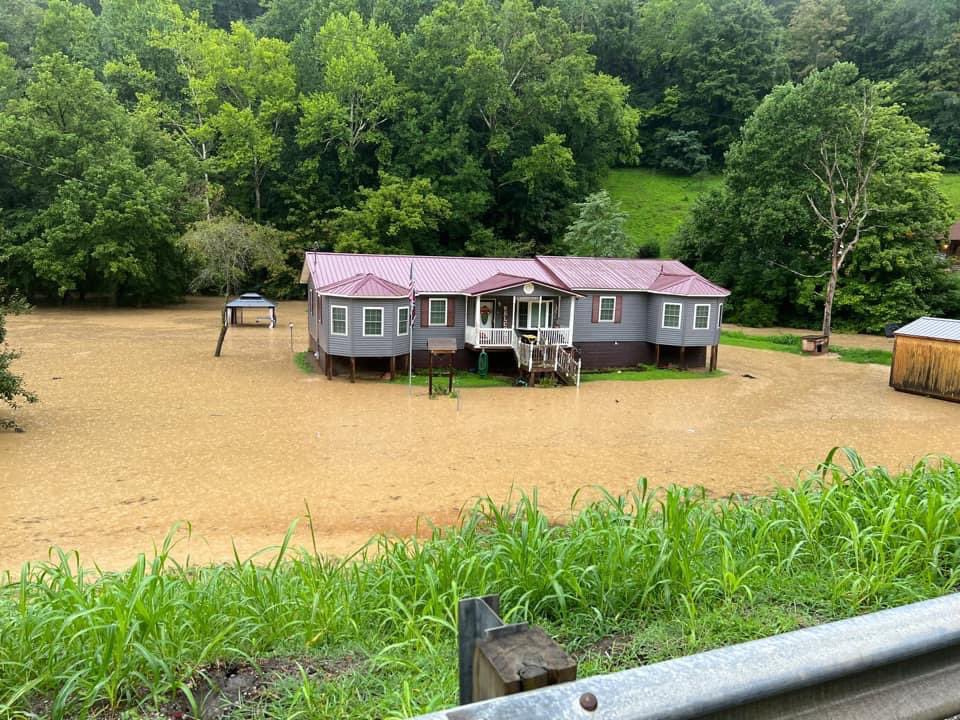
(438, 311)
(701, 317)
(671, 315)
(608, 308)
(719, 315)
(373, 322)
(338, 319)
(403, 320)
(533, 314)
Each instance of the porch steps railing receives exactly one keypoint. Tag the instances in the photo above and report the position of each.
(549, 358)
(505, 337)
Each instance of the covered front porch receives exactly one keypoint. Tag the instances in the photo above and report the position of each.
(503, 322)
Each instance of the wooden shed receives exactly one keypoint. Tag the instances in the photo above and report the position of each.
(926, 358)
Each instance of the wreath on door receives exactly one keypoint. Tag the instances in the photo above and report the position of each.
(484, 313)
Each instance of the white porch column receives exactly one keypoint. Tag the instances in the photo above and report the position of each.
(539, 311)
(476, 307)
(573, 306)
(513, 315)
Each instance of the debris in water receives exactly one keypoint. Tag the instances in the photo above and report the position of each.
(748, 376)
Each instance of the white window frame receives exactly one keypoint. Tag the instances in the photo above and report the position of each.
(530, 302)
(400, 309)
(663, 317)
(446, 309)
(719, 315)
(695, 308)
(613, 315)
(346, 320)
(363, 330)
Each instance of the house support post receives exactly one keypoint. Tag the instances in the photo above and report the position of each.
(393, 367)
(353, 369)
(430, 373)
(656, 362)
(683, 357)
(450, 375)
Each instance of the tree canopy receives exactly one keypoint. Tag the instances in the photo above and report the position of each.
(763, 235)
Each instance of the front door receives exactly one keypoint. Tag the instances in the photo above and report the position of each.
(486, 313)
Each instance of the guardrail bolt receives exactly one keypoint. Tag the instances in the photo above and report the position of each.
(588, 701)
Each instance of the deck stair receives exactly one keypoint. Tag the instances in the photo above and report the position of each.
(546, 358)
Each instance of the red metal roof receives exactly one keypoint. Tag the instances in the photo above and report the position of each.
(692, 285)
(469, 275)
(364, 285)
(503, 281)
(587, 273)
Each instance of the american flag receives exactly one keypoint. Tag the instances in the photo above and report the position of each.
(413, 296)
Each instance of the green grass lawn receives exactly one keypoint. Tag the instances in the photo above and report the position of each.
(648, 373)
(791, 344)
(950, 185)
(657, 202)
(627, 580)
(461, 379)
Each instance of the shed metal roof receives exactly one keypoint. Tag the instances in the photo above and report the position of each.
(461, 275)
(251, 300)
(934, 328)
(954, 233)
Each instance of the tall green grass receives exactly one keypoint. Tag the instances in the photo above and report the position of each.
(791, 344)
(666, 572)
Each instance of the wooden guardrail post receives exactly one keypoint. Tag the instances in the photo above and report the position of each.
(498, 659)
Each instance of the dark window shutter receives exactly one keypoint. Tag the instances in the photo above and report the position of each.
(424, 312)
(451, 312)
(618, 313)
(595, 317)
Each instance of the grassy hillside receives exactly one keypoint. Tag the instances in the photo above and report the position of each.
(656, 202)
(951, 188)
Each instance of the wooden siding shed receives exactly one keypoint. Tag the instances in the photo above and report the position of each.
(926, 358)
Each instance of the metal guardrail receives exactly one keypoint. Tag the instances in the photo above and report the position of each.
(901, 663)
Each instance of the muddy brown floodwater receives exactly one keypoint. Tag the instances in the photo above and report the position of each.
(139, 427)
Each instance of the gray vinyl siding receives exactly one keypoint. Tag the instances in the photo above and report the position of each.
(685, 335)
(421, 333)
(355, 344)
(632, 326)
(700, 338)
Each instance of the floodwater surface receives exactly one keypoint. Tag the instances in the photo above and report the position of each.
(140, 427)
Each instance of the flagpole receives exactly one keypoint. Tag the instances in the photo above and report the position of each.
(410, 318)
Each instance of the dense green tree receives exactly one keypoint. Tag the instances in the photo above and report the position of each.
(598, 230)
(13, 390)
(226, 250)
(94, 191)
(400, 216)
(256, 81)
(830, 182)
(70, 29)
(707, 64)
(816, 35)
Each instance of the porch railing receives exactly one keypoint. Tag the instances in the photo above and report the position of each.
(554, 336)
(568, 365)
(489, 337)
(504, 337)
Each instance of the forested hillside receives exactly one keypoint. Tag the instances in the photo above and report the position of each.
(432, 126)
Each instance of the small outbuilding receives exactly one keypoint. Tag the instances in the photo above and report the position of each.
(926, 358)
(262, 310)
(953, 239)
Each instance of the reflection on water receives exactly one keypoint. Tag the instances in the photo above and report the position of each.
(139, 427)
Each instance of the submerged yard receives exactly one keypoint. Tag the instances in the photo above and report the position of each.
(140, 427)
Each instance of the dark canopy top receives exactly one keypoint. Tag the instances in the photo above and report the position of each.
(251, 300)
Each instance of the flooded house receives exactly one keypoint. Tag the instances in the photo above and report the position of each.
(539, 315)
